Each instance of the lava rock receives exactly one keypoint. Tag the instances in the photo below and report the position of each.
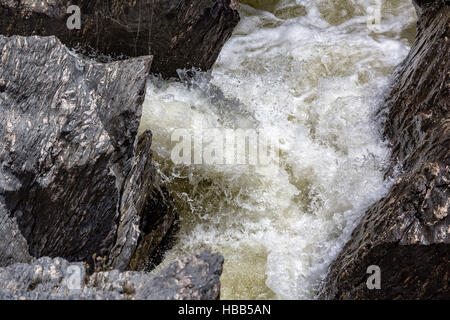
(407, 233)
(179, 34)
(73, 182)
(191, 277)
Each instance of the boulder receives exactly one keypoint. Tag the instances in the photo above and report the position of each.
(407, 233)
(191, 277)
(74, 181)
(179, 34)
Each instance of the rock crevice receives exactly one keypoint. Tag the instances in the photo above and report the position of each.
(73, 179)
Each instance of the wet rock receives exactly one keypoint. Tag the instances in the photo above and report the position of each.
(193, 277)
(158, 231)
(407, 233)
(146, 216)
(73, 182)
(179, 34)
(13, 246)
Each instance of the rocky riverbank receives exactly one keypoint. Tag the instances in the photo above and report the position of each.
(76, 182)
(81, 213)
(407, 233)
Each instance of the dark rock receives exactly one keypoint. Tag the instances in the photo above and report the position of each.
(146, 216)
(13, 246)
(193, 277)
(407, 233)
(157, 231)
(71, 179)
(179, 34)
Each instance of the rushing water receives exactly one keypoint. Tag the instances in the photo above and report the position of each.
(310, 74)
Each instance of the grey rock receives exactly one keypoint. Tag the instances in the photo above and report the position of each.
(179, 34)
(72, 179)
(192, 277)
(407, 233)
(13, 246)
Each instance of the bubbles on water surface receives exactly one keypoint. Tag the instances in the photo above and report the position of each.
(310, 74)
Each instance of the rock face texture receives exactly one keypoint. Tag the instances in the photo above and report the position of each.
(179, 34)
(193, 277)
(73, 182)
(13, 246)
(407, 233)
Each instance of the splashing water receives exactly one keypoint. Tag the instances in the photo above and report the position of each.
(310, 74)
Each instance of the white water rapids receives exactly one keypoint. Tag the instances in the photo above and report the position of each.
(310, 74)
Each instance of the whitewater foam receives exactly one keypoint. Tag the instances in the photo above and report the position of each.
(312, 75)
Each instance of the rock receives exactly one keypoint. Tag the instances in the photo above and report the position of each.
(157, 231)
(179, 34)
(407, 233)
(13, 246)
(193, 277)
(72, 179)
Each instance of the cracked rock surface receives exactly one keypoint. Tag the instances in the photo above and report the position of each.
(407, 233)
(191, 277)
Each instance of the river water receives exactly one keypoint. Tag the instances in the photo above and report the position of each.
(310, 75)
